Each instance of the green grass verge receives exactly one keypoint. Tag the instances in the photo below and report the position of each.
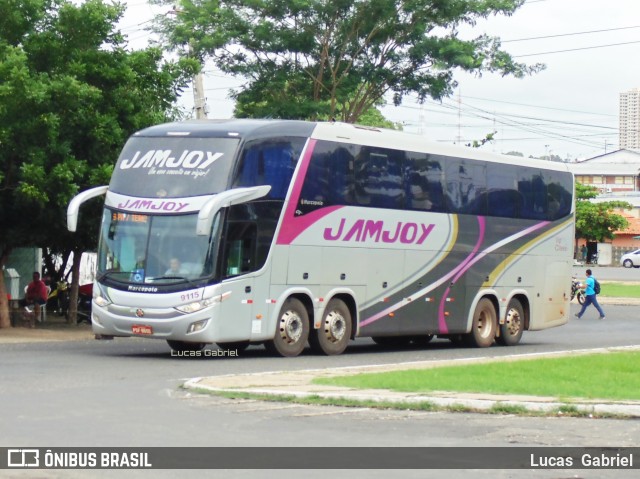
(620, 290)
(608, 376)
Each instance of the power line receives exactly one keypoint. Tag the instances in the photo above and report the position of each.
(576, 49)
(569, 34)
(538, 106)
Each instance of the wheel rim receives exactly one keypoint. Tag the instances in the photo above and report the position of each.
(291, 327)
(484, 324)
(513, 322)
(335, 326)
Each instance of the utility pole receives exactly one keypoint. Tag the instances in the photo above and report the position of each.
(459, 137)
(199, 100)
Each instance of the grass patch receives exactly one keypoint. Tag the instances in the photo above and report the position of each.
(609, 376)
(620, 290)
(316, 400)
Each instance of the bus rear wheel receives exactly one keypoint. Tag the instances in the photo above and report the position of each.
(334, 333)
(181, 346)
(483, 328)
(292, 330)
(513, 327)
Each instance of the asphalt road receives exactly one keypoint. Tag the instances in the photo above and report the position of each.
(127, 392)
(609, 273)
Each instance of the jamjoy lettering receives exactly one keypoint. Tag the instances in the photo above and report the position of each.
(190, 159)
(376, 231)
(151, 205)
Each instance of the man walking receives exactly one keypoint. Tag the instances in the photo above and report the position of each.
(590, 295)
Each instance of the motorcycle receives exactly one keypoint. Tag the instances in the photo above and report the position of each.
(58, 299)
(577, 291)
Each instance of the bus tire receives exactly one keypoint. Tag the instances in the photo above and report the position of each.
(181, 346)
(292, 330)
(513, 327)
(483, 327)
(333, 335)
(237, 345)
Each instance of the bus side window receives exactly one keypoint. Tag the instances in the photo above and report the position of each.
(329, 178)
(503, 197)
(378, 174)
(558, 188)
(268, 163)
(278, 169)
(534, 193)
(466, 186)
(240, 248)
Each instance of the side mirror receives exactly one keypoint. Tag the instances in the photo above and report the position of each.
(226, 198)
(76, 201)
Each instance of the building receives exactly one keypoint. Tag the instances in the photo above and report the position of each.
(617, 176)
(615, 173)
(629, 119)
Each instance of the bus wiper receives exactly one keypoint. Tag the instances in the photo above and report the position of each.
(181, 278)
(109, 274)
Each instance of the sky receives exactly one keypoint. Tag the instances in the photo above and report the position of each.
(591, 49)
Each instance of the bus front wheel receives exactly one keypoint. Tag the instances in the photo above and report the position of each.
(292, 330)
(335, 331)
(181, 346)
(511, 330)
(483, 328)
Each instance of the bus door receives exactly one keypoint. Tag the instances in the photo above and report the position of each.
(238, 260)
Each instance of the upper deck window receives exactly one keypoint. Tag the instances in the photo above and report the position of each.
(173, 166)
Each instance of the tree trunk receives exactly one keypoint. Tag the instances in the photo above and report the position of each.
(75, 283)
(5, 320)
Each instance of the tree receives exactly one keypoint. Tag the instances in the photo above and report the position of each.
(70, 95)
(479, 143)
(318, 59)
(597, 221)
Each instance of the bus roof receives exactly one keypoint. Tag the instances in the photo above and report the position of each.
(380, 137)
(249, 129)
(243, 128)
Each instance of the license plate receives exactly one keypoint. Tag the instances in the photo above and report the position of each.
(141, 329)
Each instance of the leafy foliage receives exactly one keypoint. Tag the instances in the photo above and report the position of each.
(315, 59)
(70, 95)
(597, 221)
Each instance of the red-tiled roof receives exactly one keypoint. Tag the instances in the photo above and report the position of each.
(633, 228)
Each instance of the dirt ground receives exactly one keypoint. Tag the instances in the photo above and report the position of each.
(54, 328)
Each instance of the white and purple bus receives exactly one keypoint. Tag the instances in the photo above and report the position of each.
(289, 233)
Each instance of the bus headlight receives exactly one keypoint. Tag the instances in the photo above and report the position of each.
(100, 297)
(198, 305)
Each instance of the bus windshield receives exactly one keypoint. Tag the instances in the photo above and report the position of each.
(161, 249)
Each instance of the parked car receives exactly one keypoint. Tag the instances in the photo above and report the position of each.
(631, 259)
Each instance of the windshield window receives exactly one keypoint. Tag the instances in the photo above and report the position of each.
(137, 248)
